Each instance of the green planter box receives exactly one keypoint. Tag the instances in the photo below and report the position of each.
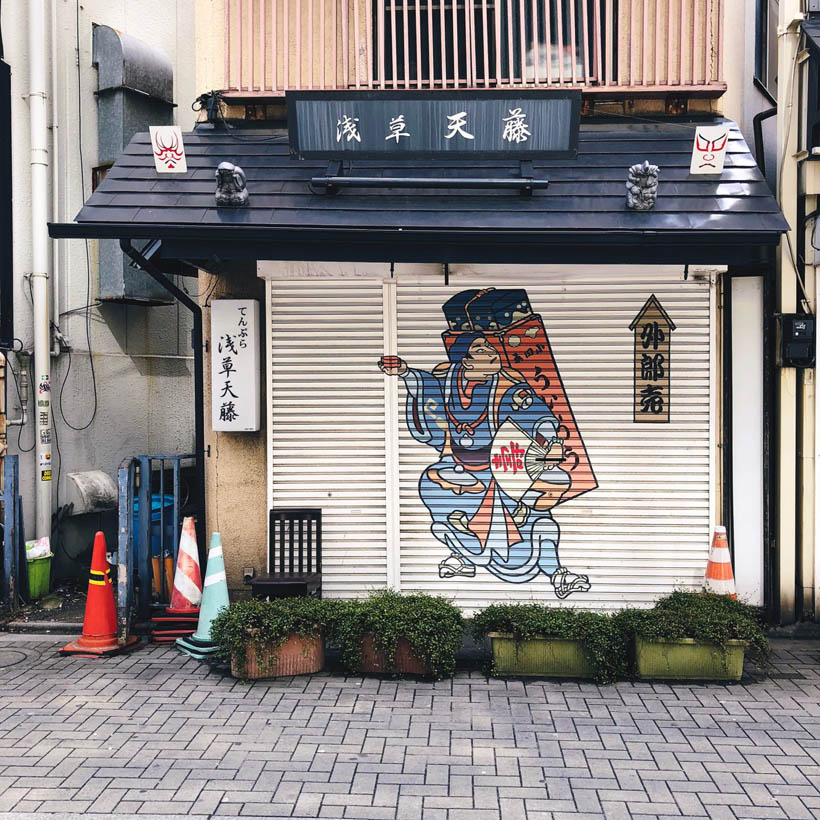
(688, 659)
(541, 657)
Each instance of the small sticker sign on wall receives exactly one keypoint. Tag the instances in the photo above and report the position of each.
(235, 397)
(168, 149)
(652, 330)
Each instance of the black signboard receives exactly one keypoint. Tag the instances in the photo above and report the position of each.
(515, 124)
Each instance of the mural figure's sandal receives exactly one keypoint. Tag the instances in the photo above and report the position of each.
(458, 521)
(566, 582)
(453, 565)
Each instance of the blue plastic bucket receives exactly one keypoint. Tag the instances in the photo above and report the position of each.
(156, 524)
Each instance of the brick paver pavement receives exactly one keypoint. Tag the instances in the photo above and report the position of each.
(157, 733)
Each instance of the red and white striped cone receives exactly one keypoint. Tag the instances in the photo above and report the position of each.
(719, 576)
(187, 594)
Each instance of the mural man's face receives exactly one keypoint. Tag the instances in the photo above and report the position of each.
(482, 361)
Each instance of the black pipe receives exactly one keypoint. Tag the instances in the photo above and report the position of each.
(757, 125)
(771, 569)
(199, 380)
(728, 429)
(517, 183)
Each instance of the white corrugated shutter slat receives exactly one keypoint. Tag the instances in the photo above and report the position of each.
(645, 530)
(327, 422)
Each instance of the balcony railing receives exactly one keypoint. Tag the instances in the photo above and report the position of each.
(615, 46)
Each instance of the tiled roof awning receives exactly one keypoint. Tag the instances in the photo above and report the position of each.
(580, 217)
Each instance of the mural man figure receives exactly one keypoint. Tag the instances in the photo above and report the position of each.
(458, 410)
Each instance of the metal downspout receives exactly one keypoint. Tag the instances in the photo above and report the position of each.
(757, 126)
(199, 381)
(38, 124)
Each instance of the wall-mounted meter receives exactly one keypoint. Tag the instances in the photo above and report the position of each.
(796, 333)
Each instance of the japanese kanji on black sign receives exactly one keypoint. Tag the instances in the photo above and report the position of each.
(652, 329)
(479, 124)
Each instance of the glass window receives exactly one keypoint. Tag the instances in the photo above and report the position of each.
(766, 46)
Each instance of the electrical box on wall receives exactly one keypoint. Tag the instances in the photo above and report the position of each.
(796, 334)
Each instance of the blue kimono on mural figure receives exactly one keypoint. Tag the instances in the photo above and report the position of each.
(458, 409)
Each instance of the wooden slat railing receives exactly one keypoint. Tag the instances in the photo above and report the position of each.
(610, 46)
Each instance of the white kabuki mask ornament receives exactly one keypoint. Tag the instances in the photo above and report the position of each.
(709, 150)
(168, 149)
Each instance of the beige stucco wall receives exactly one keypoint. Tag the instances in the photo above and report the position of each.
(236, 470)
(209, 34)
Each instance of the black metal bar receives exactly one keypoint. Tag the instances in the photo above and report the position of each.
(727, 432)
(125, 548)
(144, 550)
(201, 242)
(803, 542)
(302, 544)
(10, 532)
(199, 382)
(290, 547)
(22, 564)
(310, 545)
(6, 244)
(518, 184)
(770, 424)
(318, 541)
(282, 544)
(175, 519)
(160, 582)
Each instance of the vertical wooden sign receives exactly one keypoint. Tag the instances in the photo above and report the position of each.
(652, 330)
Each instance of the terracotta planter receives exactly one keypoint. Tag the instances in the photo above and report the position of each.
(688, 659)
(375, 662)
(296, 656)
(539, 657)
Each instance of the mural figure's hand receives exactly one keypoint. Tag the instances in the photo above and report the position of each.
(392, 365)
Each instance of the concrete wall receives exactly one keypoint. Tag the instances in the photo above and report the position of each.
(144, 375)
(210, 44)
(743, 99)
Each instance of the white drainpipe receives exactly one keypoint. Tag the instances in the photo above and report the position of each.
(55, 187)
(38, 113)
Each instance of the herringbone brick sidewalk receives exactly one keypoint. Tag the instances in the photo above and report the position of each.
(157, 733)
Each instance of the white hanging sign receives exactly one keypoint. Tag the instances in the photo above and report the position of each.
(168, 149)
(235, 380)
(709, 150)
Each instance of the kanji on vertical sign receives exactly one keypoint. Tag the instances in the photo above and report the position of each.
(235, 365)
(652, 330)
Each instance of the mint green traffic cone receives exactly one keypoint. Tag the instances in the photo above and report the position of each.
(214, 598)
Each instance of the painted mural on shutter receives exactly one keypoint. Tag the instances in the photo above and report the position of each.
(327, 422)
(643, 531)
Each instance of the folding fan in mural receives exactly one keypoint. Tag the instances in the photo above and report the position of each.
(505, 318)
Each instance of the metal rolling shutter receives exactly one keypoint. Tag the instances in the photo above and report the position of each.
(327, 422)
(645, 531)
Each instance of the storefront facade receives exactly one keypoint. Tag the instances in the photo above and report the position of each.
(342, 436)
(584, 455)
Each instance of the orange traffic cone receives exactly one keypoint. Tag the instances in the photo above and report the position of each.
(187, 594)
(100, 624)
(719, 577)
